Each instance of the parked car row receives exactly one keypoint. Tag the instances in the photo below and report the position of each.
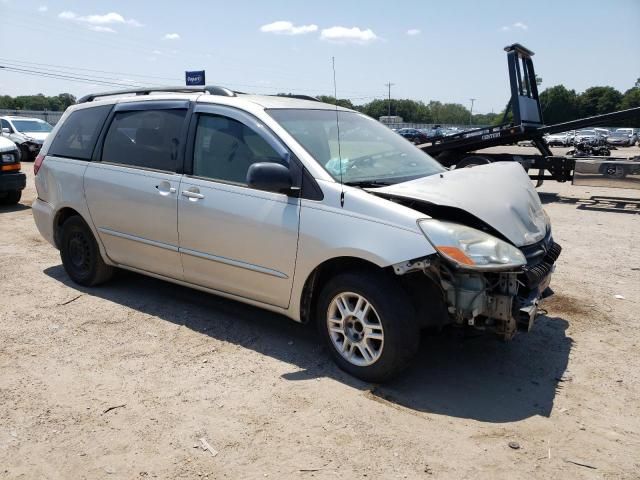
(621, 137)
(27, 133)
(418, 136)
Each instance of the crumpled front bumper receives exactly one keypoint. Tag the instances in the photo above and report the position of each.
(504, 302)
(534, 286)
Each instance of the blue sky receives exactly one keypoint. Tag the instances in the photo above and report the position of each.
(448, 51)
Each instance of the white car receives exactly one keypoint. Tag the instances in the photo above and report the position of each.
(558, 140)
(27, 133)
(258, 199)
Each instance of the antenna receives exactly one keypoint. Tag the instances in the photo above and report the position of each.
(335, 97)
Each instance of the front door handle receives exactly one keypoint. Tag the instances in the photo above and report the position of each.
(165, 188)
(192, 194)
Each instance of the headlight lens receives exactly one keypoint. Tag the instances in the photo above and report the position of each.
(471, 248)
(8, 158)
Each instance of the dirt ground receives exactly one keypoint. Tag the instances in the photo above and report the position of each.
(122, 381)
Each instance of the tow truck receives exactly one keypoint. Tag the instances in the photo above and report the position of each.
(461, 150)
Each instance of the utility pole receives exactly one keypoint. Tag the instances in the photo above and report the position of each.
(389, 85)
(471, 112)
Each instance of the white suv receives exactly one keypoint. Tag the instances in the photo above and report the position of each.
(316, 212)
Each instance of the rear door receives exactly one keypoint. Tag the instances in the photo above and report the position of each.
(234, 238)
(131, 190)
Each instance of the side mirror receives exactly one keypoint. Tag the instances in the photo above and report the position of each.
(5, 130)
(271, 177)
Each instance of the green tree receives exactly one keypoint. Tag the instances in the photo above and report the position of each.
(598, 100)
(342, 102)
(558, 104)
(631, 98)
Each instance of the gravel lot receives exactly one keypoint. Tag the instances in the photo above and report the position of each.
(176, 365)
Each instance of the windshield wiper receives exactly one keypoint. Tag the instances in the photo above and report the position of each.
(368, 183)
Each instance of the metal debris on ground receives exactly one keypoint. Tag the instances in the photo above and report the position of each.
(113, 408)
(581, 464)
(206, 446)
(514, 445)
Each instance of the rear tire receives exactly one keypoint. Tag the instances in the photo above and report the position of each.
(369, 324)
(11, 198)
(80, 254)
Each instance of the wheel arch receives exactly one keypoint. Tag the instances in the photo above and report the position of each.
(325, 271)
(61, 216)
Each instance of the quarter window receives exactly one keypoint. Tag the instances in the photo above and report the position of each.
(225, 149)
(77, 136)
(145, 138)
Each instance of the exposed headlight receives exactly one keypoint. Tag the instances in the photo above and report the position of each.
(8, 158)
(471, 248)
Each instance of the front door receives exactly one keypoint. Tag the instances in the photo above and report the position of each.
(233, 238)
(132, 191)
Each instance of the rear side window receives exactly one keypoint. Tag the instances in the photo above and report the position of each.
(145, 138)
(77, 135)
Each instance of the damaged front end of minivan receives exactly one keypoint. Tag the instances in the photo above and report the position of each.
(504, 301)
(493, 265)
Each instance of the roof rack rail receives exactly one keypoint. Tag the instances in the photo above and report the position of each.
(210, 89)
(299, 97)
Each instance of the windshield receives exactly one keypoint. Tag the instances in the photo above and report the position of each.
(31, 126)
(586, 132)
(369, 151)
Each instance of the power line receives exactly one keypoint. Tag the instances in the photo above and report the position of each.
(69, 78)
(23, 63)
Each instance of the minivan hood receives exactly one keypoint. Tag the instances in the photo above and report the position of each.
(40, 137)
(500, 194)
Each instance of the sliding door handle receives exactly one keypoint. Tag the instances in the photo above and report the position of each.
(191, 195)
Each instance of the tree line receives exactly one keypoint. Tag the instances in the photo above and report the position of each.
(57, 103)
(559, 104)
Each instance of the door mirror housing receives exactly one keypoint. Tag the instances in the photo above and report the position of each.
(271, 177)
(5, 130)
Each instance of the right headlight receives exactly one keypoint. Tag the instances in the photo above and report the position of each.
(469, 248)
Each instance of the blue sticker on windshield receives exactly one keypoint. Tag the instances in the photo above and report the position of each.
(333, 166)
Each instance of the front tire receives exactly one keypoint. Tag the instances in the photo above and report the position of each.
(80, 254)
(25, 154)
(369, 324)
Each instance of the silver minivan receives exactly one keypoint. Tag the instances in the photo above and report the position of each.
(313, 211)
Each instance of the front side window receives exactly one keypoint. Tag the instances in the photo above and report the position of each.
(225, 148)
(145, 138)
(6, 124)
(368, 152)
(77, 136)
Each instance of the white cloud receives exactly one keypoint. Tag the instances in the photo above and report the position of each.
(344, 35)
(102, 29)
(171, 36)
(111, 18)
(287, 28)
(67, 15)
(518, 25)
(413, 31)
(156, 52)
(43, 8)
